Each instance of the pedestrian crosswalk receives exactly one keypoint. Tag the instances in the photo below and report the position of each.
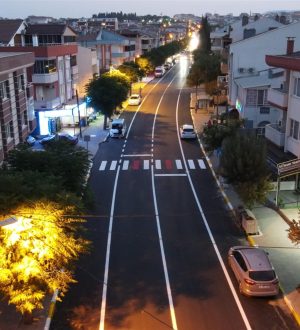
(145, 164)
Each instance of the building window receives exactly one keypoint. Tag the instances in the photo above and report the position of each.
(256, 97)
(9, 130)
(73, 60)
(49, 39)
(264, 110)
(44, 66)
(20, 83)
(297, 87)
(294, 130)
(4, 90)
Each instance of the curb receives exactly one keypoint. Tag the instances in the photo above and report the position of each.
(51, 310)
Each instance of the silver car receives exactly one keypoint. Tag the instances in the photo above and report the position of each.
(253, 270)
(187, 132)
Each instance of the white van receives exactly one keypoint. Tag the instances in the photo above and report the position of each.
(159, 71)
(118, 128)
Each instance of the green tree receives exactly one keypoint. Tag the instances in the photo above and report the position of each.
(204, 32)
(37, 254)
(107, 92)
(132, 70)
(243, 164)
(67, 163)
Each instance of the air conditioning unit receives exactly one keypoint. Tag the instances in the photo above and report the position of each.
(241, 70)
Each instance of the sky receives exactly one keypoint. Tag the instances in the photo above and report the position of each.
(86, 8)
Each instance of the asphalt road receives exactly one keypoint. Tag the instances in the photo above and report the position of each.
(160, 233)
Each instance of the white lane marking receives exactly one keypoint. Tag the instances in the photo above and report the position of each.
(212, 239)
(113, 165)
(146, 164)
(103, 165)
(105, 279)
(174, 174)
(171, 304)
(161, 244)
(158, 164)
(137, 155)
(125, 165)
(191, 164)
(201, 164)
(178, 164)
(104, 293)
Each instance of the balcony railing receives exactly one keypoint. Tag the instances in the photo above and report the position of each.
(275, 134)
(44, 78)
(278, 96)
(47, 104)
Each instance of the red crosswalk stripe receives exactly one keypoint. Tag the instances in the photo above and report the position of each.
(168, 164)
(136, 164)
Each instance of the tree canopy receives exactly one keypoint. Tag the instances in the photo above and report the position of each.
(36, 253)
(107, 92)
(243, 164)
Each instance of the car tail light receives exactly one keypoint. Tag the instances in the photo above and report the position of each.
(250, 282)
(275, 281)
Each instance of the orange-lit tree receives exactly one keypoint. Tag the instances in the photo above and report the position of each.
(37, 253)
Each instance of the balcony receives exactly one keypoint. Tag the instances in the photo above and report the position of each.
(278, 97)
(44, 78)
(47, 104)
(275, 134)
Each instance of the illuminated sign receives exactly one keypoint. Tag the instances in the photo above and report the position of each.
(239, 106)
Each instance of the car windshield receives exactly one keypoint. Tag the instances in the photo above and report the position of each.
(134, 97)
(265, 275)
(188, 130)
(116, 126)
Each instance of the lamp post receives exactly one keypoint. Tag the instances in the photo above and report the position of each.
(79, 120)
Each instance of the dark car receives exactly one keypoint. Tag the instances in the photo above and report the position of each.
(59, 137)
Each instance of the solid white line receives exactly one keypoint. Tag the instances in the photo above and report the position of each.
(113, 165)
(161, 244)
(125, 165)
(214, 244)
(103, 165)
(171, 305)
(175, 174)
(191, 164)
(158, 164)
(201, 164)
(178, 164)
(146, 164)
(137, 155)
(105, 279)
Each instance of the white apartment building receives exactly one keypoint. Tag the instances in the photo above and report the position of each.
(286, 132)
(249, 77)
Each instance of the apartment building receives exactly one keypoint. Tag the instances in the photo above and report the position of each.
(249, 77)
(112, 48)
(17, 118)
(285, 132)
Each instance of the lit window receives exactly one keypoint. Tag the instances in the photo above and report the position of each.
(297, 87)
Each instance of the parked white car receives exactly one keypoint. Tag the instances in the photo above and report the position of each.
(187, 132)
(134, 99)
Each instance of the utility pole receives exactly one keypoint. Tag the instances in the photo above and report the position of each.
(79, 120)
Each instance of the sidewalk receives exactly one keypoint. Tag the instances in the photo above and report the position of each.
(273, 225)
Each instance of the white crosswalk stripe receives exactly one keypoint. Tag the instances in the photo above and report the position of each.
(158, 164)
(191, 164)
(178, 164)
(146, 164)
(113, 165)
(103, 165)
(125, 165)
(201, 164)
